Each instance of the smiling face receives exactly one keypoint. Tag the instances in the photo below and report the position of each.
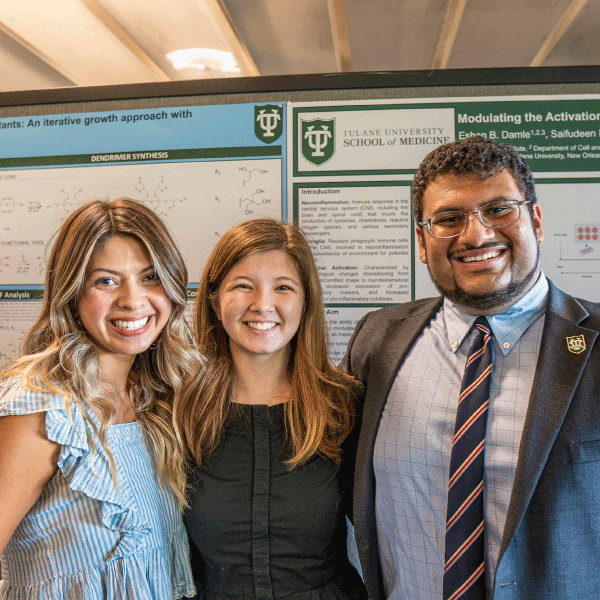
(122, 305)
(483, 270)
(259, 303)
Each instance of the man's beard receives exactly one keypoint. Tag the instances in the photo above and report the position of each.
(490, 300)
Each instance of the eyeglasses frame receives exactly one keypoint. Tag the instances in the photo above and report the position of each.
(475, 212)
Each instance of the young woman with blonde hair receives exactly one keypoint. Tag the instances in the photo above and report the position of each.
(91, 471)
(268, 425)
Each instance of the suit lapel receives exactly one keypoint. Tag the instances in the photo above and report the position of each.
(378, 372)
(557, 375)
(398, 339)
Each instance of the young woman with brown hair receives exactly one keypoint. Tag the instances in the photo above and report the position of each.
(268, 424)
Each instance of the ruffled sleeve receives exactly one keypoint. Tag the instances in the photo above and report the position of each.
(82, 460)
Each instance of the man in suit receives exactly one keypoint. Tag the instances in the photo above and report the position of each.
(479, 230)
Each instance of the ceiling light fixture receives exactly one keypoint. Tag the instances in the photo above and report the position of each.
(203, 59)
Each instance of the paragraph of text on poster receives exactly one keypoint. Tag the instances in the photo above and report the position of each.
(361, 237)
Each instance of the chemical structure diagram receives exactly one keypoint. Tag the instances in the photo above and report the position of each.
(253, 200)
(7, 205)
(155, 199)
(250, 201)
(249, 173)
(68, 204)
(23, 266)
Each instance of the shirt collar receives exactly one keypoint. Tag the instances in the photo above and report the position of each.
(507, 326)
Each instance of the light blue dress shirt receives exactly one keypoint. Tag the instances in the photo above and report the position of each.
(414, 440)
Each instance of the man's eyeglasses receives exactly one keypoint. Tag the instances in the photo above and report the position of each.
(493, 215)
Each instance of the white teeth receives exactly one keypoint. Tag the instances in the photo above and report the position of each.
(492, 254)
(131, 325)
(260, 326)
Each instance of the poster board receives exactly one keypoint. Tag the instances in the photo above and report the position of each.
(336, 154)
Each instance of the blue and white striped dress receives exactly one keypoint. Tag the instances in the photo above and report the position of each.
(84, 538)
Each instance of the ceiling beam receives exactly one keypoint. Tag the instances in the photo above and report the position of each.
(454, 14)
(223, 22)
(561, 27)
(107, 20)
(39, 54)
(338, 15)
(70, 38)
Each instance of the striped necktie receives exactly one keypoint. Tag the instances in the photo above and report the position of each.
(464, 560)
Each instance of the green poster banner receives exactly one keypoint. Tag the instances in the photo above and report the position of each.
(552, 135)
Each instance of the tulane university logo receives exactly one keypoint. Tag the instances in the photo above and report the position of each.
(318, 140)
(268, 122)
(576, 344)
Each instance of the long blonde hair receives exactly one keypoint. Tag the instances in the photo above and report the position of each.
(320, 413)
(61, 357)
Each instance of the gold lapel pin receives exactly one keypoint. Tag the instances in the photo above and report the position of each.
(576, 344)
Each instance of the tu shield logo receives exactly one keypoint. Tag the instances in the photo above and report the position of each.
(318, 140)
(576, 344)
(268, 122)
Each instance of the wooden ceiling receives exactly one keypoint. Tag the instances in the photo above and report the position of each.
(57, 43)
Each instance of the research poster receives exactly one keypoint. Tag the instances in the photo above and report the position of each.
(350, 171)
(341, 170)
(201, 168)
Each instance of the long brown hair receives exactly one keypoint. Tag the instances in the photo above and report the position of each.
(58, 355)
(320, 412)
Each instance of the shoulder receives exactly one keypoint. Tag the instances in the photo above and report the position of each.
(374, 321)
(408, 309)
(22, 428)
(24, 441)
(382, 333)
(593, 319)
(577, 310)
